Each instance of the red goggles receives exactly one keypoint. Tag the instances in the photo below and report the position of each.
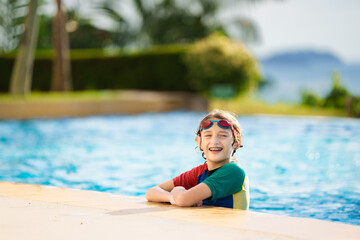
(224, 124)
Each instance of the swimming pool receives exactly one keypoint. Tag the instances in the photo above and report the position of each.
(302, 167)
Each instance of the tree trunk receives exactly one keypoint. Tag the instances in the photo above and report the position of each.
(20, 83)
(61, 74)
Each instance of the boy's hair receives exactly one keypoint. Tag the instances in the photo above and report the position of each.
(221, 114)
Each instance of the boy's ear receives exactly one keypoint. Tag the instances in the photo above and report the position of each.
(236, 144)
(198, 141)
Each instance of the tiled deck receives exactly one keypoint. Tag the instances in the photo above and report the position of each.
(41, 212)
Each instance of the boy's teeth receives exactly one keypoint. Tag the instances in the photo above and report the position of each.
(215, 149)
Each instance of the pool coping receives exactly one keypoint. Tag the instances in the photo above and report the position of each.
(45, 212)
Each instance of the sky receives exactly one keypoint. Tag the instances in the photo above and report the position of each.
(324, 25)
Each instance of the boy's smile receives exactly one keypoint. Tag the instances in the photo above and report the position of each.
(215, 149)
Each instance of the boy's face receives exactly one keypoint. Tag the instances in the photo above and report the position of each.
(217, 144)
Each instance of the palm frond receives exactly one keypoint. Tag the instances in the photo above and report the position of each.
(247, 29)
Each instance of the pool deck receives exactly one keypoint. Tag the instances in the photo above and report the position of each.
(44, 212)
(121, 102)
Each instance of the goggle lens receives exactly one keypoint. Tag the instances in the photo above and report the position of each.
(224, 124)
(207, 124)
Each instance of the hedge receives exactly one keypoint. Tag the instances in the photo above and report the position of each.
(159, 68)
(165, 68)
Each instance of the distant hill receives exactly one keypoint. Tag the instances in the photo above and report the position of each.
(289, 73)
(307, 57)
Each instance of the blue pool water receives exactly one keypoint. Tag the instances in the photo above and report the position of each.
(302, 167)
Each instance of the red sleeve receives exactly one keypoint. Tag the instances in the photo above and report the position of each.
(189, 179)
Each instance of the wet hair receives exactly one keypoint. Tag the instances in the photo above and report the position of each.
(221, 114)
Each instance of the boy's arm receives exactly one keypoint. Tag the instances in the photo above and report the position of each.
(187, 198)
(160, 193)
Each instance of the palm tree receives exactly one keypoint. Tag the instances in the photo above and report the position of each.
(20, 83)
(61, 78)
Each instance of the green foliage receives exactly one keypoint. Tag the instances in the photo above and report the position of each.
(122, 34)
(171, 22)
(161, 22)
(82, 34)
(158, 22)
(44, 37)
(12, 17)
(338, 98)
(355, 106)
(310, 99)
(338, 94)
(154, 69)
(174, 21)
(87, 36)
(218, 60)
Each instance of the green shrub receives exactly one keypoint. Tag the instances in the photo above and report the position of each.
(354, 106)
(338, 95)
(310, 99)
(218, 60)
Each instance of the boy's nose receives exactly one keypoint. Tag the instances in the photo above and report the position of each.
(215, 139)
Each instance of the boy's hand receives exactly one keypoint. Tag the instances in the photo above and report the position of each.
(172, 201)
(175, 193)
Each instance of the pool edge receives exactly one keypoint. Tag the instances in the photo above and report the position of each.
(40, 212)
